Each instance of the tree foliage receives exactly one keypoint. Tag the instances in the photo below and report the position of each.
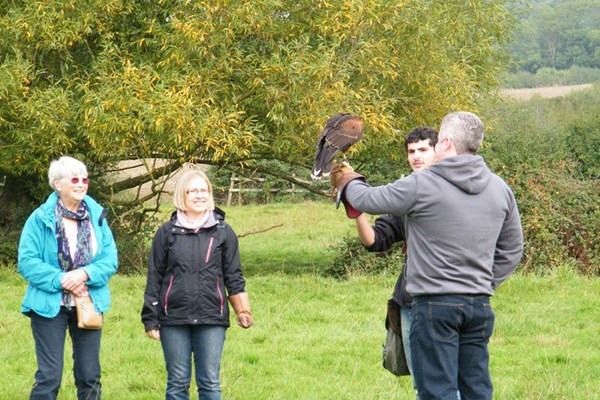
(558, 34)
(230, 82)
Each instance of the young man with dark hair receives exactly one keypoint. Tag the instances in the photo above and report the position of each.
(389, 229)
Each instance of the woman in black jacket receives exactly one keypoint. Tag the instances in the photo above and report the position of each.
(193, 268)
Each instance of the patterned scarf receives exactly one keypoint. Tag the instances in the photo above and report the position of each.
(83, 252)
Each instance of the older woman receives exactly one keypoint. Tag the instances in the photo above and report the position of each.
(66, 250)
(194, 258)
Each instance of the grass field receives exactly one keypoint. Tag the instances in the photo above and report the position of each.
(317, 338)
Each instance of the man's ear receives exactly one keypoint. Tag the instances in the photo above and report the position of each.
(446, 144)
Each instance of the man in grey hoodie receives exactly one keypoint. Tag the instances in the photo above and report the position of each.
(464, 238)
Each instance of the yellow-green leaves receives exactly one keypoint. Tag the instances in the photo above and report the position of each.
(227, 81)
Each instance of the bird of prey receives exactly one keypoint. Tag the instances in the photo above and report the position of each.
(340, 132)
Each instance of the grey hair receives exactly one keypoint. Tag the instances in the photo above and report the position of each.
(465, 129)
(65, 167)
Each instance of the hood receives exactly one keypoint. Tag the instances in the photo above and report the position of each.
(467, 172)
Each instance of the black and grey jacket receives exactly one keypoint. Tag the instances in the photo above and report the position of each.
(191, 274)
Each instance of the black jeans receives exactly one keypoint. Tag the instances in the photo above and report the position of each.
(49, 335)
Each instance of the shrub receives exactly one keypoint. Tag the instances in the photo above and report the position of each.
(133, 235)
(583, 138)
(559, 215)
(8, 248)
(547, 151)
(353, 259)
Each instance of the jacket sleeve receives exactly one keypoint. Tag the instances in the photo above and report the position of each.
(31, 264)
(389, 229)
(397, 198)
(157, 264)
(509, 246)
(105, 263)
(232, 269)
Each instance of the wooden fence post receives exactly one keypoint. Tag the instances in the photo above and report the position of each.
(230, 194)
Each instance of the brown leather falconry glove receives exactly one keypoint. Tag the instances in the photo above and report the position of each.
(341, 175)
(241, 305)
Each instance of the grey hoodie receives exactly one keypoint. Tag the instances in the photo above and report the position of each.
(463, 227)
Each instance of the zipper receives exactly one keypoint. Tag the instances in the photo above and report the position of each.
(206, 260)
(220, 295)
(167, 295)
(210, 245)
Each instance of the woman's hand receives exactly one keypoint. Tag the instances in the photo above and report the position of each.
(74, 281)
(80, 290)
(153, 334)
(245, 319)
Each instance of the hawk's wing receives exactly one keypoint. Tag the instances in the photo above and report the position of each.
(340, 132)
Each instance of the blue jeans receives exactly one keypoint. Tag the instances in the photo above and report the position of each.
(206, 343)
(449, 339)
(49, 335)
(406, 323)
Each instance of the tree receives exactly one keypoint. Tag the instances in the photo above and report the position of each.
(230, 83)
(558, 34)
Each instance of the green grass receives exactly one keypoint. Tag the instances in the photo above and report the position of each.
(303, 242)
(318, 338)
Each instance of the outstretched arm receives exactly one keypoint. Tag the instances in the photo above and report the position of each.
(366, 234)
(388, 229)
(395, 198)
(380, 237)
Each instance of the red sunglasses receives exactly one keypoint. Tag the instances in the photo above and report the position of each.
(75, 181)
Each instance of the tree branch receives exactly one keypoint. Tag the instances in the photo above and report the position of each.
(254, 231)
(138, 180)
(296, 181)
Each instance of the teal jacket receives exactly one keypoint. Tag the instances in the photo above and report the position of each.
(38, 260)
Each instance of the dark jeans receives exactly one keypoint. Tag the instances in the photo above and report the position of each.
(49, 335)
(449, 338)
